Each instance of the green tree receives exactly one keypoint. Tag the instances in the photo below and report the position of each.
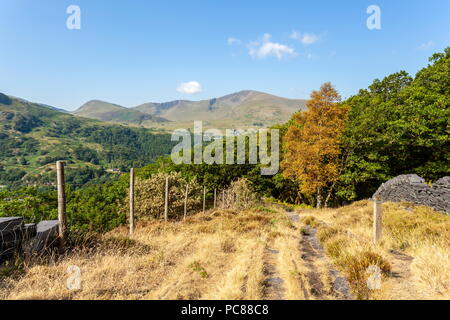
(398, 125)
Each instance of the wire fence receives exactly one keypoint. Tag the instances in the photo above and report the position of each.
(167, 196)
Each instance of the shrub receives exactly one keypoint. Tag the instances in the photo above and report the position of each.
(264, 209)
(240, 196)
(150, 195)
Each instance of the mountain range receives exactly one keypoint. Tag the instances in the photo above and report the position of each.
(244, 107)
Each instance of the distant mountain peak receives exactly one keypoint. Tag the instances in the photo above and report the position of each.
(245, 105)
(106, 111)
(97, 105)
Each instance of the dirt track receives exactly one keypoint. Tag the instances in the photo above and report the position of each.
(318, 279)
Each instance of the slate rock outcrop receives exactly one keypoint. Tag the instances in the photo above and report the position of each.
(412, 188)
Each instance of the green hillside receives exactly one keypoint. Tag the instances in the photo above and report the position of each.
(34, 136)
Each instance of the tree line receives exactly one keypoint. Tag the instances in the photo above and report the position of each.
(343, 150)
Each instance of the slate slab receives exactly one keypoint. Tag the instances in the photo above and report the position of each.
(10, 223)
(412, 188)
(46, 235)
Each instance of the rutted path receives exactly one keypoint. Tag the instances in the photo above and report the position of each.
(401, 277)
(322, 280)
(317, 278)
(273, 284)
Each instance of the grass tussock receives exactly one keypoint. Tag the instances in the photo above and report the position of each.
(327, 233)
(335, 247)
(310, 221)
(359, 267)
(351, 257)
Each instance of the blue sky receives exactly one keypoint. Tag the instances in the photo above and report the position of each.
(132, 52)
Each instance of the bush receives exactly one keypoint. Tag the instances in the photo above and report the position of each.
(150, 195)
(31, 203)
(97, 208)
(240, 196)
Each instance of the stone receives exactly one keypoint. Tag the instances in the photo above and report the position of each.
(412, 188)
(10, 223)
(46, 235)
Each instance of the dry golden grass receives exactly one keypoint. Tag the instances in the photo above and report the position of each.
(225, 254)
(217, 255)
(414, 255)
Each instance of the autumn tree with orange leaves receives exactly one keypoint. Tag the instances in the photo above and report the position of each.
(312, 144)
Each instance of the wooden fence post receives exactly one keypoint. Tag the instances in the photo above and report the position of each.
(377, 219)
(185, 201)
(226, 199)
(166, 202)
(223, 198)
(204, 199)
(131, 201)
(60, 180)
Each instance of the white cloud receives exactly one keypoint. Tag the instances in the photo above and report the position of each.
(426, 45)
(231, 41)
(265, 48)
(190, 87)
(305, 38)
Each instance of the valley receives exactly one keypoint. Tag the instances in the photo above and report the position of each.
(34, 136)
